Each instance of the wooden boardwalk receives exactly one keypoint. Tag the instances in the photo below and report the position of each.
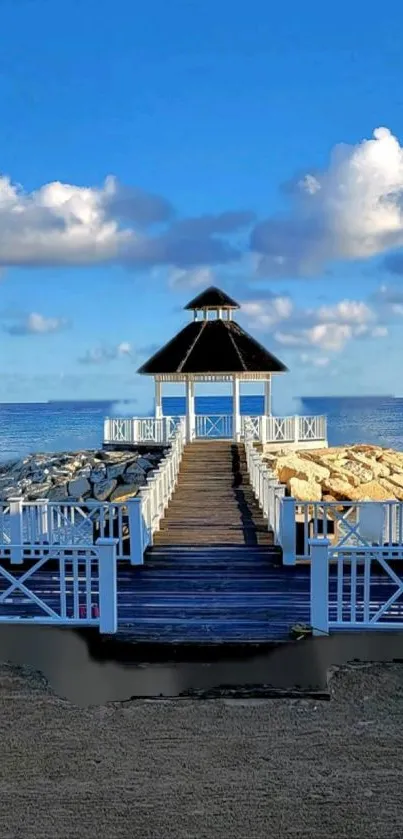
(213, 503)
(213, 575)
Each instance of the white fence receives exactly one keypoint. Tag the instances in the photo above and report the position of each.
(361, 589)
(266, 429)
(345, 524)
(131, 523)
(80, 591)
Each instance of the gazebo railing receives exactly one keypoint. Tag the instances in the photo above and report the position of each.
(265, 429)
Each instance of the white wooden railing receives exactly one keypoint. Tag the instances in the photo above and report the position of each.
(149, 505)
(355, 588)
(288, 430)
(81, 591)
(44, 522)
(345, 524)
(270, 494)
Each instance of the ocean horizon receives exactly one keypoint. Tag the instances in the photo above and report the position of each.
(68, 425)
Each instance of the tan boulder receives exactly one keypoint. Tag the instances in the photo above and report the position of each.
(371, 491)
(361, 474)
(379, 470)
(393, 459)
(395, 491)
(396, 479)
(294, 466)
(340, 489)
(305, 490)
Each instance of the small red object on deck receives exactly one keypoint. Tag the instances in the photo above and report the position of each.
(95, 611)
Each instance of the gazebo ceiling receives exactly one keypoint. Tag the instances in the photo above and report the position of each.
(212, 298)
(212, 347)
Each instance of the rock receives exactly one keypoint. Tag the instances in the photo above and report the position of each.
(358, 473)
(394, 490)
(39, 491)
(134, 474)
(79, 487)
(294, 466)
(40, 476)
(145, 463)
(58, 492)
(305, 490)
(396, 479)
(339, 489)
(378, 469)
(104, 489)
(116, 470)
(124, 492)
(371, 491)
(98, 474)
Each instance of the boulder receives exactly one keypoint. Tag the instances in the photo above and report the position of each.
(358, 473)
(124, 492)
(304, 490)
(395, 491)
(396, 479)
(79, 487)
(98, 474)
(294, 466)
(116, 470)
(134, 474)
(58, 492)
(36, 491)
(371, 491)
(103, 490)
(378, 469)
(339, 489)
(145, 464)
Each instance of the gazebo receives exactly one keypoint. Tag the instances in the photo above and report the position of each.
(212, 348)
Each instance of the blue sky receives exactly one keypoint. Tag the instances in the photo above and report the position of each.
(149, 150)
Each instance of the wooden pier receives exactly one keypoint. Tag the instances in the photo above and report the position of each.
(213, 574)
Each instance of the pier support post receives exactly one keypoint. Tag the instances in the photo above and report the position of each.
(16, 531)
(108, 587)
(288, 530)
(319, 550)
(190, 411)
(136, 530)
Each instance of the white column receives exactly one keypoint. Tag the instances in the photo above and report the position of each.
(158, 399)
(190, 411)
(267, 397)
(236, 410)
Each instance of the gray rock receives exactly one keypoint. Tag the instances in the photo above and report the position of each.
(104, 489)
(98, 474)
(59, 492)
(134, 475)
(84, 472)
(116, 470)
(40, 476)
(79, 487)
(39, 491)
(145, 464)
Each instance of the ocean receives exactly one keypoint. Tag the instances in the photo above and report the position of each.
(64, 426)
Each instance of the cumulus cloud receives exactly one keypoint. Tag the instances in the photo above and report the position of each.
(352, 210)
(64, 224)
(36, 324)
(101, 355)
(327, 327)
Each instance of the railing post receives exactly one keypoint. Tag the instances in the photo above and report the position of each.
(42, 519)
(108, 588)
(319, 550)
(107, 430)
(296, 429)
(136, 530)
(16, 530)
(288, 530)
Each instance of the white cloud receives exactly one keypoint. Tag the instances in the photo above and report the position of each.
(192, 278)
(103, 354)
(352, 210)
(328, 327)
(314, 361)
(37, 324)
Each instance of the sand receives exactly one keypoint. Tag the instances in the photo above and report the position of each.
(222, 768)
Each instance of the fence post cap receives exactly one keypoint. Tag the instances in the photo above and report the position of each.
(107, 542)
(319, 543)
(287, 498)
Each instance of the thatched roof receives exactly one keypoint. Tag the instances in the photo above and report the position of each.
(212, 298)
(212, 346)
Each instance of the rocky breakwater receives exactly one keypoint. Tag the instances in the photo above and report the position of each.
(345, 473)
(78, 476)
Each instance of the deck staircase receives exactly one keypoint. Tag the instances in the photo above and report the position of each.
(213, 574)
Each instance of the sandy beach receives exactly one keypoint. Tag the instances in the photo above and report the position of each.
(222, 768)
